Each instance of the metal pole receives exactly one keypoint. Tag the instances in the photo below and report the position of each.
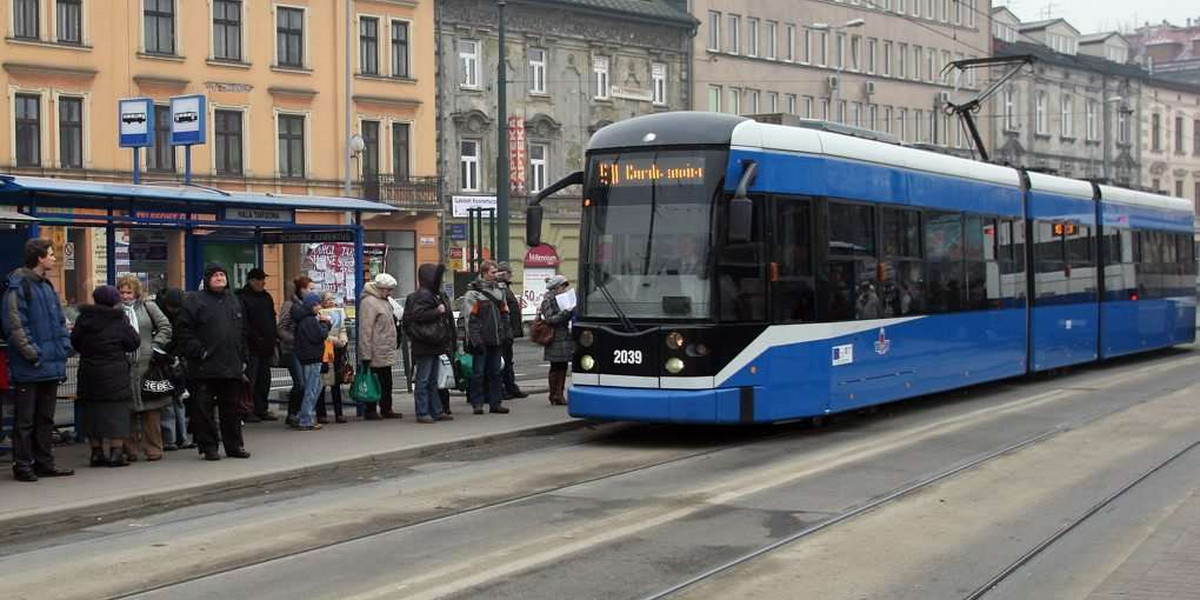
(501, 251)
(137, 165)
(348, 97)
(492, 235)
(187, 164)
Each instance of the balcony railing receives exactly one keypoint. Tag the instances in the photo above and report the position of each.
(412, 193)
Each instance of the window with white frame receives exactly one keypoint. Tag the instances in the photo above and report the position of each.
(872, 43)
(873, 116)
(468, 165)
(369, 158)
(789, 48)
(401, 151)
(807, 108)
(856, 114)
(901, 6)
(919, 126)
(468, 63)
(368, 45)
(1093, 125)
(735, 28)
(658, 78)
(714, 98)
(291, 146)
(289, 37)
(902, 123)
(26, 19)
(600, 77)
(1010, 108)
(1042, 114)
(772, 102)
(856, 53)
(751, 36)
(752, 102)
(735, 101)
(27, 126)
(772, 40)
(789, 101)
(227, 29)
(1066, 106)
(401, 65)
(887, 59)
(887, 119)
(823, 48)
(537, 167)
(931, 64)
(918, 53)
(158, 22)
(902, 61)
(537, 71)
(227, 138)
(1122, 125)
(714, 31)
(70, 132)
(839, 50)
(825, 114)
(945, 62)
(69, 24)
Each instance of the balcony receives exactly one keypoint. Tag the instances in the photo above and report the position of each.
(412, 193)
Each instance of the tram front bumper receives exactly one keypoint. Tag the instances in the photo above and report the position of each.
(722, 405)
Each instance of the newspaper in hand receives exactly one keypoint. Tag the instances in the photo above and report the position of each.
(566, 300)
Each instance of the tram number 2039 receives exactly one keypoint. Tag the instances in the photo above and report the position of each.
(627, 357)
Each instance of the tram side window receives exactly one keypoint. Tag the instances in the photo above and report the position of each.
(852, 290)
(1050, 256)
(943, 262)
(902, 263)
(793, 290)
(1117, 249)
(1010, 256)
(1149, 266)
(740, 281)
(980, 238)
(1082, 277)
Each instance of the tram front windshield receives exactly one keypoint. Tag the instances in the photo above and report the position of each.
(648, 222)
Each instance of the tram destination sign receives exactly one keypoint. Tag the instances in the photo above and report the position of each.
(306, 237)
(135, 118)
(643, 171)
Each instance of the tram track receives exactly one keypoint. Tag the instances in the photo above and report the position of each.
(857, 451)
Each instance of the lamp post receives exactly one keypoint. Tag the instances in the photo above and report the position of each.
(502, 174)
(837, 91)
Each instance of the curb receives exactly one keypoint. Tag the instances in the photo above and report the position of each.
(118, 508)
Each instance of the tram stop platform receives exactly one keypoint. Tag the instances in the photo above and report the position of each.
(278, 453)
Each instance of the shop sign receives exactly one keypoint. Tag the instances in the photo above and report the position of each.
(221, 86)
(172, 216)
(631, 94)
(188, 120)
(307, 237)
(69, 256)
(259, 214)
(542, 255)
(456, 259)
(516, 155)
(461, 204)
(428, 240)
(135, 116)
(458, 231)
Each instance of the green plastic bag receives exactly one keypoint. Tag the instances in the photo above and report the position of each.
(365, 387)
(463, 369)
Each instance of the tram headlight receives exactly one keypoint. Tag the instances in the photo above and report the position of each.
(674, 365)
(698, 350)
(587, 338)
(587, 363)
(675, 340)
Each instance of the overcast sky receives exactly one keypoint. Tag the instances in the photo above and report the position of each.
(1091, 16)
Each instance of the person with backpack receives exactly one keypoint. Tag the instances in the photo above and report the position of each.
(39, 344)
(428, 323)
(486, 314)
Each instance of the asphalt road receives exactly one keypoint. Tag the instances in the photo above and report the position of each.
(973, 480)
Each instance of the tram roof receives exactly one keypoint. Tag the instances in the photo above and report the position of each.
(15, 185)
(1121, 195)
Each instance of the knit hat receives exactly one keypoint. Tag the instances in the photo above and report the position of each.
(311, 299)
(106, 295)
(385, 281)
(213, 269)
(555, 281)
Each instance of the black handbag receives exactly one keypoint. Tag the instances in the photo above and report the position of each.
(158, 380)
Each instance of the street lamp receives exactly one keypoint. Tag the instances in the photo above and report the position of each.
(502, 174)
(837, 90)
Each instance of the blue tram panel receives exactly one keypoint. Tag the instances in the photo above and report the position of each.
(872, 273)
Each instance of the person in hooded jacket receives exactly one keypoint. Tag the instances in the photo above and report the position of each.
(212, 335)
(311, 331)
(428, 322)
(261, 337)
(174, 419)
(486, 314)
(38, 345)
(286, 329)
(562, 348)
(331, 372)
(104, 339)
(378, 341)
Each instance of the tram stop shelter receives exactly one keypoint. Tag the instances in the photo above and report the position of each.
(187, 227)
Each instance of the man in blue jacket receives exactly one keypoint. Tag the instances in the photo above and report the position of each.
(38, 346)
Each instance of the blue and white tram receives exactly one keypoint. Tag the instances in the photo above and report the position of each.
(734, 271)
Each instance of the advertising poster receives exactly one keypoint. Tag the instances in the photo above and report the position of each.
(534, 290)
(331, 267)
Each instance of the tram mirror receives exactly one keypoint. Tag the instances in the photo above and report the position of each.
(533, 226)
(741, 220)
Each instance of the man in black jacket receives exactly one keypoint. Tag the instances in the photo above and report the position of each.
(212, 335)
(260, 341)
(511, 390)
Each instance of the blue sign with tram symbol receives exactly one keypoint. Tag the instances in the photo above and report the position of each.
(135, 120)
(188, 120)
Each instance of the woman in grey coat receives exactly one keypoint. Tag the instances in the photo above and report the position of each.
(561, 350)
(154, 328)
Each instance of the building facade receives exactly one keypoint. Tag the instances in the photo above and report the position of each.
(1171, 141)
(1075, 111)
(1169, 51)
(275, 77)
(876, 64)
(574, 66)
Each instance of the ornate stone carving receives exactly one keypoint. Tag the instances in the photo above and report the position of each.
(471, 121)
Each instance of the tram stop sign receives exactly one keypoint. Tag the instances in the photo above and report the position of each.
(135, 120)
(188, 120)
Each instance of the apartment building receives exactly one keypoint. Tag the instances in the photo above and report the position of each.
(275, 77)
(876, 64)
(1171, 141)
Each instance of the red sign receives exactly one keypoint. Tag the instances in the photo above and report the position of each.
(516, 155)
(542, 255)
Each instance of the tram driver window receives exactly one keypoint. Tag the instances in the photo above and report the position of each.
(852, 287)
(792, 289)
(740, 267)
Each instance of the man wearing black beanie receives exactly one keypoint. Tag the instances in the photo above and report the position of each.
(211, 335)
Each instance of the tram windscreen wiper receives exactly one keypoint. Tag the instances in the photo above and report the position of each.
(599, 275)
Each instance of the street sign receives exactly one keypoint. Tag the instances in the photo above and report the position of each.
(461, 204)
(188, 120)
(306, 237)
(259, 214)
(458, 231)
(135, 117)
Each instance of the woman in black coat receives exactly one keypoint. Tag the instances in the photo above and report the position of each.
(104, 339)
